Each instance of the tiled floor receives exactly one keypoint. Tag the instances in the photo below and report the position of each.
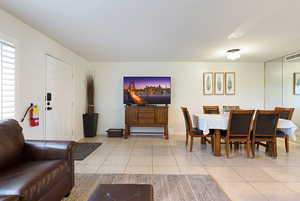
(262, 178)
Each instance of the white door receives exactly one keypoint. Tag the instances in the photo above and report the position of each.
(59, 100)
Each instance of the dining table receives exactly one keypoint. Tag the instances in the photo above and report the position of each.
(219, 122)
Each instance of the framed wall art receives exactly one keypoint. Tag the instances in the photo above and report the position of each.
(219, 83)
(208, 83)
(230, 83)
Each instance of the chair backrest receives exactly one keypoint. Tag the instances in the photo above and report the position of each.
(239, 123)
(187, 119)
(11, 143)
(265, 123)
(211, 110)
(285, 113)
(229, 108)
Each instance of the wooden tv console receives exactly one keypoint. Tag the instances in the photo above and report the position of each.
(146, 116)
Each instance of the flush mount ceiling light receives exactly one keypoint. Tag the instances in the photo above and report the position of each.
(233, 54)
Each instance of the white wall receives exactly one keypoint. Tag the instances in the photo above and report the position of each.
(31, 49)
(186, 88)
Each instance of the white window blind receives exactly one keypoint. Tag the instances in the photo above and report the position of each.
(7, 80)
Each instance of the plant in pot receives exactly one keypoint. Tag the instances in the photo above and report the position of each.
(90, 119)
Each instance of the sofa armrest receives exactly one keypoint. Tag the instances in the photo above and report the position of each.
(48, 150)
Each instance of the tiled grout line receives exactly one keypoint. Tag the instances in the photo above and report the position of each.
(103, 162)
(130, 156)
(284, 183)
(152, 157)
(244, 181)
(173, 154)
(258, 191)
(108, 155)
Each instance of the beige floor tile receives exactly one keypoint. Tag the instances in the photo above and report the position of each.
(166, 161)
(224, 174)
(241, 192)
(189, 161)
(213, 162)
(142, 154)
(163, 154)
(253, 174)
(140, 161)
(284, 174)
(288, 161)
(115, 169)
(263, 162)
(192, 170)
(94, 160)
(86, 169)
(276, 191)
(237, 162)
(111, 162)
(241, 178)
(294, 187)
(166, 170)
(139, 170)
(120, 153)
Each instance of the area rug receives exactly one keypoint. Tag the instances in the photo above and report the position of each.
(166, 187)
(82, 150)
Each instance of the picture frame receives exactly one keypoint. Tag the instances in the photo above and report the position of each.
(219, 79)
(230, 86)
(208, 83)
(296, 83)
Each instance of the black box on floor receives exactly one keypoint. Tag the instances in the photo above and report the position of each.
(115, 132)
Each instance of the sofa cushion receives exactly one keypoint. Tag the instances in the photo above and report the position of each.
(9, 198)
(31, 180)
(11, 143)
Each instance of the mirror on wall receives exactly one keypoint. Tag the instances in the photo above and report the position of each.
(279, 85)
(273, 83)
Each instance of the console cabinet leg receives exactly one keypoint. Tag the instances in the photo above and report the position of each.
(127, 131)
(166, 132)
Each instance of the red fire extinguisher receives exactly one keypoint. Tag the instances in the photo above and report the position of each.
(34, 112)
(34, 116)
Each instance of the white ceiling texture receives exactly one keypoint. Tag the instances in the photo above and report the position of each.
(166, 30)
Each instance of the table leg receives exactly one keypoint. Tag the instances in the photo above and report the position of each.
(217, 142)
(166, 132)
(127, 131)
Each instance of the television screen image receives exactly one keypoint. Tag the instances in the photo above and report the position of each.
(147, 90)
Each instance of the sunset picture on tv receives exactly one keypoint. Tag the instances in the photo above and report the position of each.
(147, 90)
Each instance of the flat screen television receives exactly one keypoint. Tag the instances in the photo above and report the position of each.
(147, 90)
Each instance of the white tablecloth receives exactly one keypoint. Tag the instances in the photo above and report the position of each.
(220, 121)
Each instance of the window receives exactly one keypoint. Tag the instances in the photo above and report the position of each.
(7, 80)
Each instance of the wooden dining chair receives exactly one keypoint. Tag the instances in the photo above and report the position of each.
(190, 131)
(284, 113)
(211, 110)
(227, 108)
(264, 130)
(239, 129)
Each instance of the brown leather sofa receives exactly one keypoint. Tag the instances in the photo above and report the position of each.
(33, 170)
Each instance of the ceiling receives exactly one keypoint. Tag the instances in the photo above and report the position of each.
(166, 30)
